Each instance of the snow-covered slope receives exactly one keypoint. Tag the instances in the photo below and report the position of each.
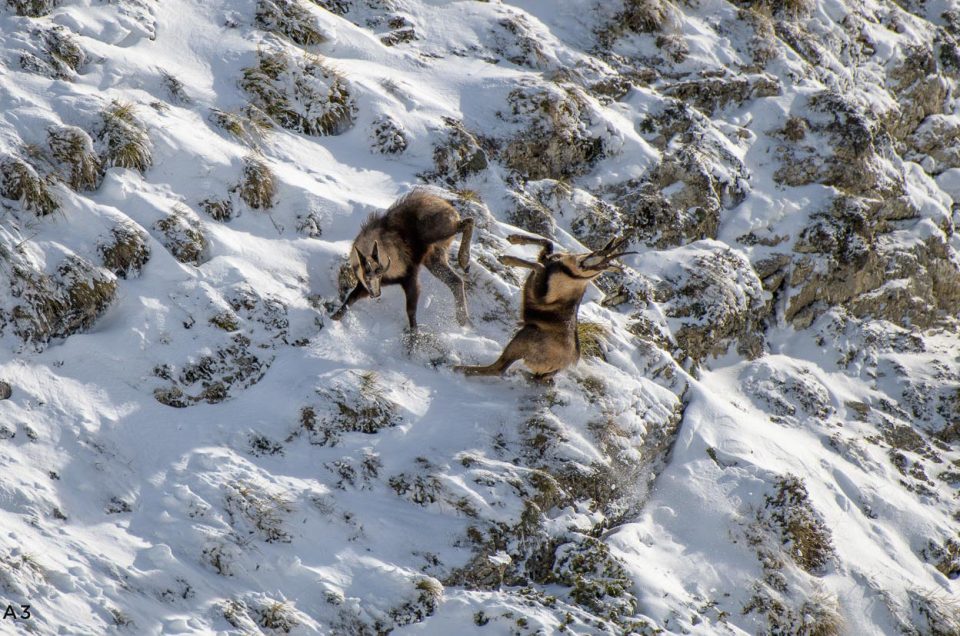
(764, 435)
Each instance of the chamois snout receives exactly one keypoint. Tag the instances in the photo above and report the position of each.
(602, 259)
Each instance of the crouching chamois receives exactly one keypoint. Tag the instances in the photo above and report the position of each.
(547, 342)
(416, 230)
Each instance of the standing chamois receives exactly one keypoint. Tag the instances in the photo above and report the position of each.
(416, 230)
(547, 342)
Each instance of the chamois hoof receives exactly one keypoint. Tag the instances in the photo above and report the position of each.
(517, 239)
(337, 315)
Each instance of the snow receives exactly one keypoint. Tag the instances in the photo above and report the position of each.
(120, 514)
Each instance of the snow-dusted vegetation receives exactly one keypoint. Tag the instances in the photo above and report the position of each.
(762, 435)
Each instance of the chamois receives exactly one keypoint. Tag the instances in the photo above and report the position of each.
(390, 248)
(547, 341)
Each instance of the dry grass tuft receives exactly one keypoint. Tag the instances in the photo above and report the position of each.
(126, 251)
(303, 94)
(290, 18)
(125, 137)
(591, 336)
(254, 510)
(20, 182)
(258, 186)
(72, 149)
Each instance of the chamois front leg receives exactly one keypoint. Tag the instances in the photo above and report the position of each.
(463, 255)
(358, 292)
(411, 287)
(513, 261)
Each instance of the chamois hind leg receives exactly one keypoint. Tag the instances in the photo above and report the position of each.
(513, 261)
(439, 267)
(514, 351)
(465, 227)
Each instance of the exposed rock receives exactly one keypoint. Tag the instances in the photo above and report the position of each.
(938, 137)
(715, 93)
(849, 155)
(457, 156)
(5, 390)
(918, 87)
(716, 298)
(867, 271)
(555, 140)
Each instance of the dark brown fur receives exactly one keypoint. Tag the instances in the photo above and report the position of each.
(547, 341)
(391, 247)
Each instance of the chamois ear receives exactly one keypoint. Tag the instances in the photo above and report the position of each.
(360, 257)
(375, 254)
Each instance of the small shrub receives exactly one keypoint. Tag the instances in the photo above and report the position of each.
(249, 124)
(337, 7)
(127, 144)
(941, 613)
(258, 186)
(354, 407)
(277, 616)
(220, 555)
(388, 136)
(174, 87)
(785, 8)
(61, 55)
(290, 18)
(126, 252)
(182, 237)
(72, 149)
(225, 320)
(254, 510)
(218, 209)
(643, 16)
(20, 182)
(227, 121)
(32, 8)
(304, 94)
(808, 538)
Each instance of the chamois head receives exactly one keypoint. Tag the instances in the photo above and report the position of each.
(594, 263)
(369, 268)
